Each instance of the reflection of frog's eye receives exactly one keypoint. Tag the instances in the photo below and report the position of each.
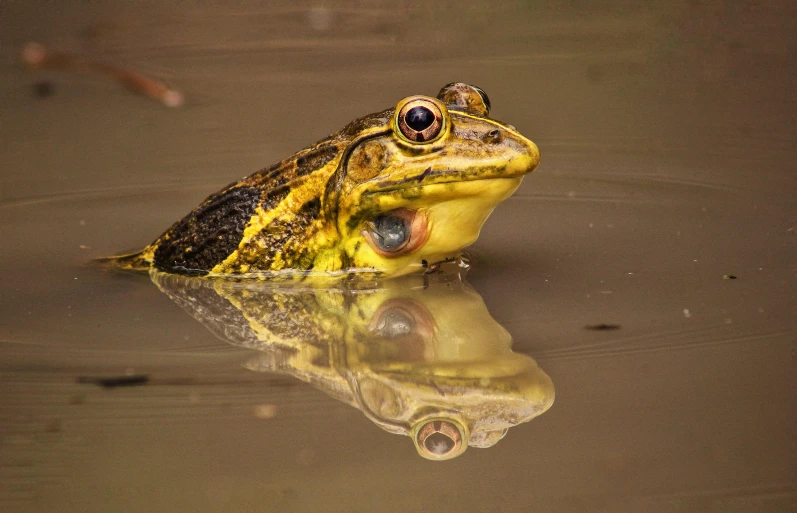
(390, 233)
(420, 120)
(395, 323)
(439, 440)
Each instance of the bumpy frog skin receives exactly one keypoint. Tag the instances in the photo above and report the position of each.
(419, 355)
(388, 194)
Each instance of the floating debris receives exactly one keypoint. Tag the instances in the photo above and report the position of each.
(265, 411)
(729, 277)
(602, 327)
(36, 57)
(43, 89)
(115, 381)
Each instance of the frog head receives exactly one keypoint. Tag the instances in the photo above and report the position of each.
(419, 186)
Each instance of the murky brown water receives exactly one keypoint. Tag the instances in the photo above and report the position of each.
(668, 142)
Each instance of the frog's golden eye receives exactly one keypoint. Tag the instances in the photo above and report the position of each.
(420, 120)
(397, 232)
(440, 439)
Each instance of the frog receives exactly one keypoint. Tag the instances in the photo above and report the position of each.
(419, 355)
(391, 193)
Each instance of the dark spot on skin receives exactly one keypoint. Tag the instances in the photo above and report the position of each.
(206, 236)
(315, 159)
(274, 197)
(424, 174)
(355, 219)
(415, 150)
(311, 208)
(353, 222)
(345, 261)
(602, 327)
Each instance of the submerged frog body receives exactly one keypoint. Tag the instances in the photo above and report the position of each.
(388, 194)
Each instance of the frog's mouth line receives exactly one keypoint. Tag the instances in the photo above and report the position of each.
(418, 181)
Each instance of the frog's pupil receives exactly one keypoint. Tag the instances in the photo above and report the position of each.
(439, 444)
(419, 118)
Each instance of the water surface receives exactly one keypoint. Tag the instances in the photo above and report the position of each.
(667, 135)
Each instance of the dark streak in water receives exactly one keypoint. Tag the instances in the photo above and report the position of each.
(602, 327)
(115, 381)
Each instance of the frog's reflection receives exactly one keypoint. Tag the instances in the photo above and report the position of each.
(420, 356)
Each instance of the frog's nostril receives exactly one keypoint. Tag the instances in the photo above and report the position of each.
(493, 136)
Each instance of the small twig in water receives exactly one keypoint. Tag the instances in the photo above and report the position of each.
(37, 57)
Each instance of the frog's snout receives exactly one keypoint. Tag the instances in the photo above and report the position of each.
(532, 153)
